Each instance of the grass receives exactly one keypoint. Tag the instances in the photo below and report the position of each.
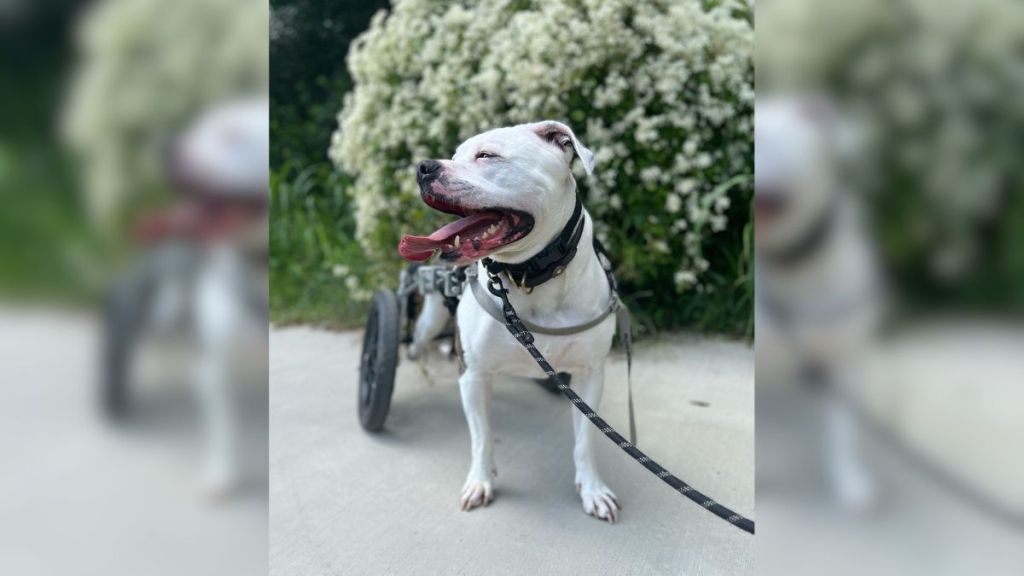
(312, 232)
(48, 251)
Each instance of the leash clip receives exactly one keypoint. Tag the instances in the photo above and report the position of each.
(512, 321)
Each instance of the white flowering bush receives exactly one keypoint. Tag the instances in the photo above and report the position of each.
(662, 92)
(148, 67)
(935, 91)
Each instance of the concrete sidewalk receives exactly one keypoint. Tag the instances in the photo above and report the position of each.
(79, 495)
(346, 502)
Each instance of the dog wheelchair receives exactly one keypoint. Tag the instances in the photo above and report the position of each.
(157, 293)
(391, 323)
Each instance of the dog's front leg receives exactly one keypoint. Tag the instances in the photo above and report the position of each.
(218, 318)
(475, 387)
(854, 484)
(598, 500)
(429, 324)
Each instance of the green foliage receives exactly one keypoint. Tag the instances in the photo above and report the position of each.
(312, 224)
(46, 249)
(311, 243)
(934, 95)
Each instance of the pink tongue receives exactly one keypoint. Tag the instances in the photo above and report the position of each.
(419, 248)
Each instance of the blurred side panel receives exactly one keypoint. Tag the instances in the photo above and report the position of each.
(890, 286)
(133, 286)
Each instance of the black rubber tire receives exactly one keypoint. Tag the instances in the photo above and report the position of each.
(120, 327)
(550, 385)
(379, 361)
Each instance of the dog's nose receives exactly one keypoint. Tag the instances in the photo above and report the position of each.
(427, 170)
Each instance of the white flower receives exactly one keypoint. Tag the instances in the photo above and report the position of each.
(684, 186)
(673, 203)
(650, 175)
(684, 278)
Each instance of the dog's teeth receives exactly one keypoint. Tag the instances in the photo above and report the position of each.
(456, 241)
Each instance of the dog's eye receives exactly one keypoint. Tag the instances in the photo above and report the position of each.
(480, 155)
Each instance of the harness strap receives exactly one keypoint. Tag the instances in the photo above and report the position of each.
(624, 322)
(806, 245)
(491, 308)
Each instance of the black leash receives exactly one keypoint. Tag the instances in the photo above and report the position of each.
(916, 460)
(806, 245)
(525, 337)
(819, 381)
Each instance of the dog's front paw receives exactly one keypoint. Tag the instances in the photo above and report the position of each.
(476, 493)
(600, 502)
(857, 492)
(219, 482)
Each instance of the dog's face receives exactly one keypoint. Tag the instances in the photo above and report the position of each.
(795, 157)
(224, 151)
(504, 184)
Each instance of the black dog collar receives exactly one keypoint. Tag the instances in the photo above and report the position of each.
(808, 244)
(549, 262)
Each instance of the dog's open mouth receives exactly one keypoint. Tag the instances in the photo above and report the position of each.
(769, 206)
(476, 234)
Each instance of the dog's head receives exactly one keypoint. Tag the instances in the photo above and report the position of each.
(512, 188)
(799, 143)
(224, 152)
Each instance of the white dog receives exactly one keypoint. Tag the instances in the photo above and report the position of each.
(514, 191)
(817, 282)
(219, 166)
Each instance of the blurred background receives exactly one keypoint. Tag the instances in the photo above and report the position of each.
(907, 304)
(131, 247)
(47, 223)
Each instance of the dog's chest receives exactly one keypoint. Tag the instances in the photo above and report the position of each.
(497, 351)
(490, 347)
(564, 353)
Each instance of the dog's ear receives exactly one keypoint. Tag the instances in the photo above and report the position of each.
(561, 135)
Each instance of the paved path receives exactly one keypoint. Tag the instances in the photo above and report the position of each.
(345, 502)
(81, 496)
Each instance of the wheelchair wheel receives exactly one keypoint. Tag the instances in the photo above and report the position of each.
(120, 329)
(379, 361)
